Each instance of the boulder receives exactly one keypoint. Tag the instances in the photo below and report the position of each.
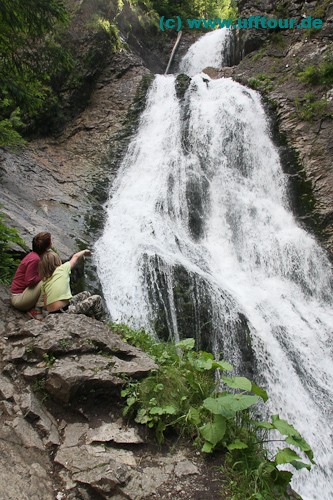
(74, 353)
(116, 432)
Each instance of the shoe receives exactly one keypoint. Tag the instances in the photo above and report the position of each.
(35, 314)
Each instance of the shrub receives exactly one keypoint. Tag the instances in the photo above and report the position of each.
(309, 108)
(321, 74)
(8, 238)
(190, 395)
(262, 82)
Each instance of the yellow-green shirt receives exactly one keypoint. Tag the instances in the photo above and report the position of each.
(57, 287)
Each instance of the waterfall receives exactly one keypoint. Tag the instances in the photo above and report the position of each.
(200, 240)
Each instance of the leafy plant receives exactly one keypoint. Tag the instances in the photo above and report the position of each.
(64, 343)
(191, 395)
(49, 359)
(309, 108)
(262, 82)
(320, 74)
(8, 237)
(259, 54)
(38, 386)
(320, 8)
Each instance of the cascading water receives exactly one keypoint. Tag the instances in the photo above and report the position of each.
(198, 224)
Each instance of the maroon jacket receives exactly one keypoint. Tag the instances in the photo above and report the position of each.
(26, 274)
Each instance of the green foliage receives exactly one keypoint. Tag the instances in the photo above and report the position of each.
(38, 386)
(249, 471)
(309, 108)
(320, 9)
(9, 126)
(194, 8)
(281, 9)
(8, 238)
(182, 396)
(320, 74)
(64, 343)
(29, 57)
(49, 359)
(99, 23)
(259, 54)
(262, 82)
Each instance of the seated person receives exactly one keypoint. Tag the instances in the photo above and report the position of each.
(26, 285)
(56, 290)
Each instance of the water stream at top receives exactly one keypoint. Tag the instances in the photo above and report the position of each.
(201, 196)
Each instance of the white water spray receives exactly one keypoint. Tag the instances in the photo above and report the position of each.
(201, 187)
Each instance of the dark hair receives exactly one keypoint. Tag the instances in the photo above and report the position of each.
(41, 243)
(48, 264)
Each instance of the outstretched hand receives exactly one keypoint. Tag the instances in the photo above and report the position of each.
(87, 253)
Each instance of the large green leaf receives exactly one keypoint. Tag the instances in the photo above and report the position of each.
(281, 477)
(214, 431)
(237, 445)
(286, 456)
(283, 426)
(263, 425)
(294, 436)
(238, 383)
(193, 416)
(222, 365)
(142, 417)
(228, 404)
(207, 447)
(163, 410)
(259, 391)
(186, 344)
(302, 444)
(300, 465)
(204, 361)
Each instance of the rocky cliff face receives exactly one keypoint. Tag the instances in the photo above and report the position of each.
(59, 182)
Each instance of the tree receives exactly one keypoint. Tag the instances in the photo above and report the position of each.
(195, 8)
(28, 55)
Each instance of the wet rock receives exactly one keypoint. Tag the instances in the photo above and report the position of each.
(182, 84)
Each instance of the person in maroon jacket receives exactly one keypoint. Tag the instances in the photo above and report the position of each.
(26, 285)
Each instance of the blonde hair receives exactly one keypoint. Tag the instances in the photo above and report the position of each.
(48, 264)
